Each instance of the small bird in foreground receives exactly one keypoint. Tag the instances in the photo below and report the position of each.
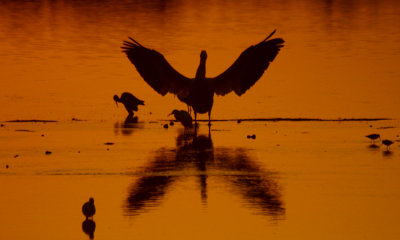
(130, 102)
(183, 117)
(198, 92)
(387, 143)
(88, 208)
(373, 137)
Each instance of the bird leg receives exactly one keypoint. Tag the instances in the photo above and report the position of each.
(209, 118)
(195, 119)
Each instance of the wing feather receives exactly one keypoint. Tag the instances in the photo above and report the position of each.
(248, 68)
(155, 69)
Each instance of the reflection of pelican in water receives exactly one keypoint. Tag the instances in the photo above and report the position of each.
(198, 92)
(196, 153)
(88, 227)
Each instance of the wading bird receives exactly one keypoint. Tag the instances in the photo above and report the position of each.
(387, 143)
(373, 137)
(198, 92)
(130, 102)
(183, 117)
(88, 208)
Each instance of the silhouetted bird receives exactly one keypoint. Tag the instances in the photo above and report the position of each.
(373, 137)
(199, 92)
(183, 117)
(130, 102)
(387, 143)
(88, 208)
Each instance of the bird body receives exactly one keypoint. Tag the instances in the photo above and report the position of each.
(373, 136)
(183, 117)
(130, 102)
(387, 143)
(88, 208)
(198, 92)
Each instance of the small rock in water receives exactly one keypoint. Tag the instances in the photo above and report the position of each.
(42, 135)
(251, 136)
(165, 126)
(48, 152)
(2, 125)
(109, 143)
(7, 166)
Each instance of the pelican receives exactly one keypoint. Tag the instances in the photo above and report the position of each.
(183, 117)
(130, 102)
(198, 92)
(88, 208)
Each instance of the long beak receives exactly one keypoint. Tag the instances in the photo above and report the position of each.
(170, 114)
(116, 103)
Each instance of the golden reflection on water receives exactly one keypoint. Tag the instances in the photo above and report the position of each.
(195, 156)
(61, 60)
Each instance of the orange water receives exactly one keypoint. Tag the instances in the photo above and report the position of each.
(305, 180)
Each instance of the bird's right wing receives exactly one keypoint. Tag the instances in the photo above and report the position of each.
(248, 68)
(155, 69)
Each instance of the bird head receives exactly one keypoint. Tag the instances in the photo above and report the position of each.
(116, 99)
(203, 55)
(91, 200)
(173, 112)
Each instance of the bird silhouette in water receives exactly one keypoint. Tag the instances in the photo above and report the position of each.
(130, 102)
(183, 117)
(88, 208)
(198, 92)
(373, 137)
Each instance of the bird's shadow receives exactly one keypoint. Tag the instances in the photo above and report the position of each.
(88, 227)
(196, 154)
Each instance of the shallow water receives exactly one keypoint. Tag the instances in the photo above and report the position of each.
(304, 180)
(61, 60)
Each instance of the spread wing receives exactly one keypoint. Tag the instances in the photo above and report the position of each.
(155, 69)
(248, 68)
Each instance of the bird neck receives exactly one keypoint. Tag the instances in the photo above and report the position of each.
(201, 70)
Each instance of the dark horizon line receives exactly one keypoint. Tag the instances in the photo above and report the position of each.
(240, 119)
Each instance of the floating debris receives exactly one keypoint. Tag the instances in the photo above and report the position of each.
(109, 143)
(251, 136)
(23, 130)
(165, 126)
(108, 149)
(78, 120)
(42, 135)
(32, 120)
(387, 127)
(48, 152)
(15, 156)
(7, 166)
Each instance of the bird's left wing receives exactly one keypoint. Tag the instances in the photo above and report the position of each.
(155, 69)
(248, 68)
